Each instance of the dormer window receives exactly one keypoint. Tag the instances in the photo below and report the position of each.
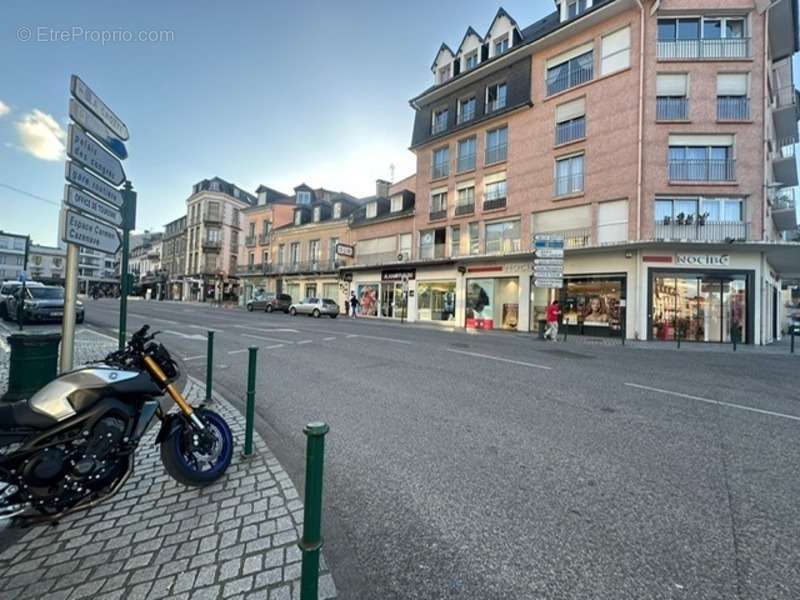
(501, 45)
(397, 203)
(439, 123)
(316, 214)
(444, 74)
(496, 96)
(337, 210)
(214, 187)
(298, 218)
(471, 60)
(372, 210)
(304, 197)
(575, 8)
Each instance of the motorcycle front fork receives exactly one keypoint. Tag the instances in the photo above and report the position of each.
(158, 375)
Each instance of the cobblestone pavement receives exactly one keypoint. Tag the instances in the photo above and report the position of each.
(158, 539)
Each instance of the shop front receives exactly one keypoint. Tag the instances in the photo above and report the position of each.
(491, 302)
(436, 301)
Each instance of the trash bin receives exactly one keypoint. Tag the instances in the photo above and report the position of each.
(33, 364)
(542, 328)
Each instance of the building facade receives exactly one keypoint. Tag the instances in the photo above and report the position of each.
(273, 209)
(12, 255)
(173, 257)
(47, 264)
(654, 139)
(214, 225)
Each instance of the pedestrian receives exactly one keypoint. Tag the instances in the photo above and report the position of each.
(553, 313)
(354, 304)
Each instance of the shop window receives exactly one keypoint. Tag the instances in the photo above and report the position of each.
(592, 306)
(436, 300)
(492, 303)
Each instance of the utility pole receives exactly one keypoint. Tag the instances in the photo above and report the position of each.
(70, 302)
(21, 304)
(128, 218)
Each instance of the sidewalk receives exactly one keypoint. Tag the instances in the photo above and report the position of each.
(158, 539)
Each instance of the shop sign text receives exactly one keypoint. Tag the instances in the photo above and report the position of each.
(703, 260)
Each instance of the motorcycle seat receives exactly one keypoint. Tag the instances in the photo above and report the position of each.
(16, 415)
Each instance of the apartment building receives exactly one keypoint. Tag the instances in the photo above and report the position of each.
(173, 257)
(655, 138)
(304, 260)
(214, 225)
(273, 209)
(12, 255)
(47, 264)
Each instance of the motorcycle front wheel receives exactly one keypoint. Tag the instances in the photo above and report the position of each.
(200, 464)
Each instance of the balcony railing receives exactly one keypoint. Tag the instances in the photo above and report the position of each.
(733, 108)
(494, 203)
(569, 184)
(570, 79)
(211, 216)
(700, 230)
(672, 108)
(433, 251)
(465, 163)
(264, 238)
(250, 241)
(255, 269)
(507, 246)
(578, 237)
(436, 215)
(702, 170)
(700, 49)
(440, 170)
(465, 209)
(570, 131)
(212, 244)
(496, 154)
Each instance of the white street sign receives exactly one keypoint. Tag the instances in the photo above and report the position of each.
(87, 119)
(549, 253)
(93, 156)
(549, 269)
(91, 183)
(89, 233)
(86, 203)
(85, 94)
(548, 283)
(548, 261)
(548, 275)
(548, 237)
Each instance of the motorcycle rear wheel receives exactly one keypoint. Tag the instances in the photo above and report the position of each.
(190, 466)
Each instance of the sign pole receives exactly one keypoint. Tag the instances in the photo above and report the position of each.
(70, 301)
(129, 202)
(21, 304)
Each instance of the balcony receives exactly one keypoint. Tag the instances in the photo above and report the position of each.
(785, 113)
(465, 209)
(733, 108)
(708, 170)
(494, 203)
(570, 79)
(705, 49)
(255, 269)
(212, 216)
(264, 239)
(566, 185)
(438, 215)
(250, 241)
(672, 108)
(579, 237)
(433, 252)
(381, 258)
(503, 246)
(496, 154)
(784, 165)
(440, 170)
(465, 163)
(697, 229)
(212, 244)
(570, 131)
(784, 211)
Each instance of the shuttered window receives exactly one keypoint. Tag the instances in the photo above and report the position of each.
(732, 84)
(616, 51)
(612, 222)
(563, 219)
(672, 84)
(571, 110)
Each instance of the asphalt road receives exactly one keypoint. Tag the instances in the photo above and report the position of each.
(495, 466)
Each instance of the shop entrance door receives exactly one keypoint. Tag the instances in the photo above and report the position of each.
(391, 300)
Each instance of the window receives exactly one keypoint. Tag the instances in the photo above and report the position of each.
(465, 200)
(432, 243)
(265, 258)
(441, 163)
(251, 259)
(616, 51)
(502, 238)
(404, 246)
(471, 60)
(709, 219)
(496, 97)
(501, 45)
(455, 241)
(701, 158)
(294, 253)
(438, 204)
(397, 203)
(337, 210)
(439, 121)
(444, 74)
(574, 224)
(466, 155)
(672, 102)
(570, 69)
(569, 175)
(496, 145)
(332, 248)
(298, 218)
(466, 109)
(251, 229)
(494, 191)
(612, 222)
(372, 210)
(575, 8)
(732, 101)
(304, 198)
(317, 213)
(571, 121)
(213, 235)
(707, 37)
(281, 253)
(265, 226)
(313, 251)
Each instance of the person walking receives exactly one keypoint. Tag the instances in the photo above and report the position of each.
(553, 313)
(353, 304)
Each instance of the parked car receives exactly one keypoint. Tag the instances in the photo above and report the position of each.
(7, 290)
(282, 302)
(42, 303)
(259, 302)
(316, 307)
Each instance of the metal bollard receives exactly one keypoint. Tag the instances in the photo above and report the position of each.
(209, 366)
(311, 542)
(792, 344)
(566, 326)
(251, 401)
(678, 335)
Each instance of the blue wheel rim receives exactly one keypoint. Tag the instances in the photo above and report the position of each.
(189, 457)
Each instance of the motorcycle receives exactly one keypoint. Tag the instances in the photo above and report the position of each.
(72, 444)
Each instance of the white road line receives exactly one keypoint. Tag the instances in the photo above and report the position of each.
(272, 347)
(4, 345)
(270, 330)
(206, 328)
(499, 359)
(352, 335)
(102, 335)
(304, 342)
(329, 339)
(167, 321)
(266, 339)
(378, 338)
(237, 351)
(715, 402)
(186, 336)
(194, 357)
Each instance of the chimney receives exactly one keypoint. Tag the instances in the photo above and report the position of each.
(382, 188)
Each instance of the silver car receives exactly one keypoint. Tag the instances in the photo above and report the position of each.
(7, 289)
(316, 307)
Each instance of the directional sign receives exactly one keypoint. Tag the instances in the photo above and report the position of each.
(547, 237)
(554, 243)
(91, 183)
(85, 94)
(89, 121)
(93, 156)
(548, 275)
(88, 204)
(549, 283)
(89, 233)
(549, 253)
(548, 262)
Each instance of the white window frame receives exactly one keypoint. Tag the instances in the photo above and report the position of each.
(371, 210)
(492, 106)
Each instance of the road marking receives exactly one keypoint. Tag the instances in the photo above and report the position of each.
(186, 336)
(194, 357)
(206, 328)
(304, 342)
(167, 321)
(379, 338)
(329, 339)
(266, 339)
(499, 359)
(237, 351)
(4, 345)
(270, 330)
(272, 347)
(352, 335)
(716, 402)
(103, 335)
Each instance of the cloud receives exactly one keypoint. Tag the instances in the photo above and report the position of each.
(4, 109)
(41, 135)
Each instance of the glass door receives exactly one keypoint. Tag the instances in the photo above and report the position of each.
(387, 300)
(734, 309)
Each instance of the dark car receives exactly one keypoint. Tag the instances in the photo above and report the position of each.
(259, 301)
(280, 302)
(42, 303)
(7, 290)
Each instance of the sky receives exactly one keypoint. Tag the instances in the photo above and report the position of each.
(255, 92)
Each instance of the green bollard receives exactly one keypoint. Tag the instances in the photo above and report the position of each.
(251, 401)
(311, 542)
(792, 348)
(209, 366)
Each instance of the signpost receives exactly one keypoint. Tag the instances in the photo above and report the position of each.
(94, 207)
(548, 266)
